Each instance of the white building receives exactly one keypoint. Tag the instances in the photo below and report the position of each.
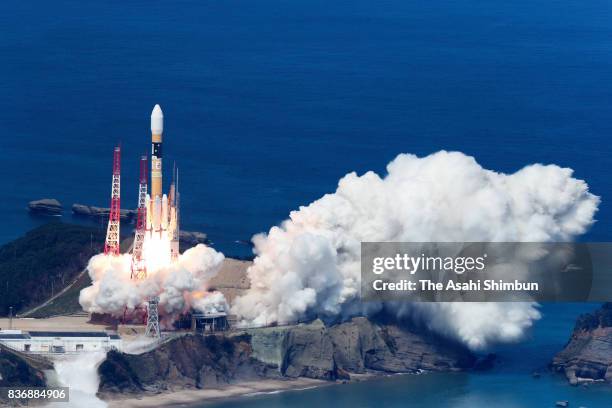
(39, 342)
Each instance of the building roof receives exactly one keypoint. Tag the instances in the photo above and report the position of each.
(22, 335)
(67, 334)
(209, 315)
(13, 336)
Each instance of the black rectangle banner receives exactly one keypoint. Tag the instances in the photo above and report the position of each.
(486, 272)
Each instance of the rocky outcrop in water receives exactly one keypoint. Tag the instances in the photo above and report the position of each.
(45, 206)
(587, 356)
(306, 350)
(191, 238)
(100, 212)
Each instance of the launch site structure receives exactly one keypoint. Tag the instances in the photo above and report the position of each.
(139, 269)
(112, 242)
(158, 214)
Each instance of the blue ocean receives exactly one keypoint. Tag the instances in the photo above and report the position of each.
(268, 103)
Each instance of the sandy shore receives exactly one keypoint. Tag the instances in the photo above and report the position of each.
(192, 397)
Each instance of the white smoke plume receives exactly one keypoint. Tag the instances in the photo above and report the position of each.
(79, 373)
(180, 285)
(310, 265)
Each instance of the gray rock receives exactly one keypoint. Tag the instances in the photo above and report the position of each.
(351, 341)
(192, 238)
(186, 362)
(316, 351)
(269, 345)
(45, 206)
(101, 212)
(361, 344)
(20, 370)
(309, 352)
(587, 357)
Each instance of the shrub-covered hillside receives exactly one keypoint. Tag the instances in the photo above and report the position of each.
(43, 262)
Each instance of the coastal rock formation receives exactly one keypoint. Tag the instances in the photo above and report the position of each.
(192, 238)
(361, 344)
(45, 206)
(587, 356)
(188, 361)
(100, 212)
(316, 351)
(310, 350)
(18, 370)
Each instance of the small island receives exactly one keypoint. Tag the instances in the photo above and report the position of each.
(587, 357)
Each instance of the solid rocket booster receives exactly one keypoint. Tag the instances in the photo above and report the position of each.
(157, 128)
(164, 213)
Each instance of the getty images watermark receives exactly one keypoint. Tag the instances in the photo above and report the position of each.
(486, 271)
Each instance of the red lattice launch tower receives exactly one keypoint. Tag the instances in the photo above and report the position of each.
(111, 245)
(139, 270)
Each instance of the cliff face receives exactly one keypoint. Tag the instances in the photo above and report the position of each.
(329, 353)
(588, 354)
(17, 370)
(361, 344)
(186, 362)
(307, 350)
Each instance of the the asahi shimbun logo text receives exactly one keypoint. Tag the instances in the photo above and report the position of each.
(413, 264)
(485, 271)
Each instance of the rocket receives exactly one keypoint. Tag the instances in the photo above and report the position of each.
(157, 128)
(162, 210)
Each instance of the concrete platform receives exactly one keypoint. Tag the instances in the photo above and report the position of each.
(59, 323)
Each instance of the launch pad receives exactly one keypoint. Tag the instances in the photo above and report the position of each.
(156, 237)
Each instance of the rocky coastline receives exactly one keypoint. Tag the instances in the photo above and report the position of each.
(314, 351)
(587, 357)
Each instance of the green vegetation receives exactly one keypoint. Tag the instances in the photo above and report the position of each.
(67, 302)
(599, 318)
(43, 262)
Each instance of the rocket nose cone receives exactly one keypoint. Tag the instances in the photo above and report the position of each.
(157, 120)
(157, 111)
